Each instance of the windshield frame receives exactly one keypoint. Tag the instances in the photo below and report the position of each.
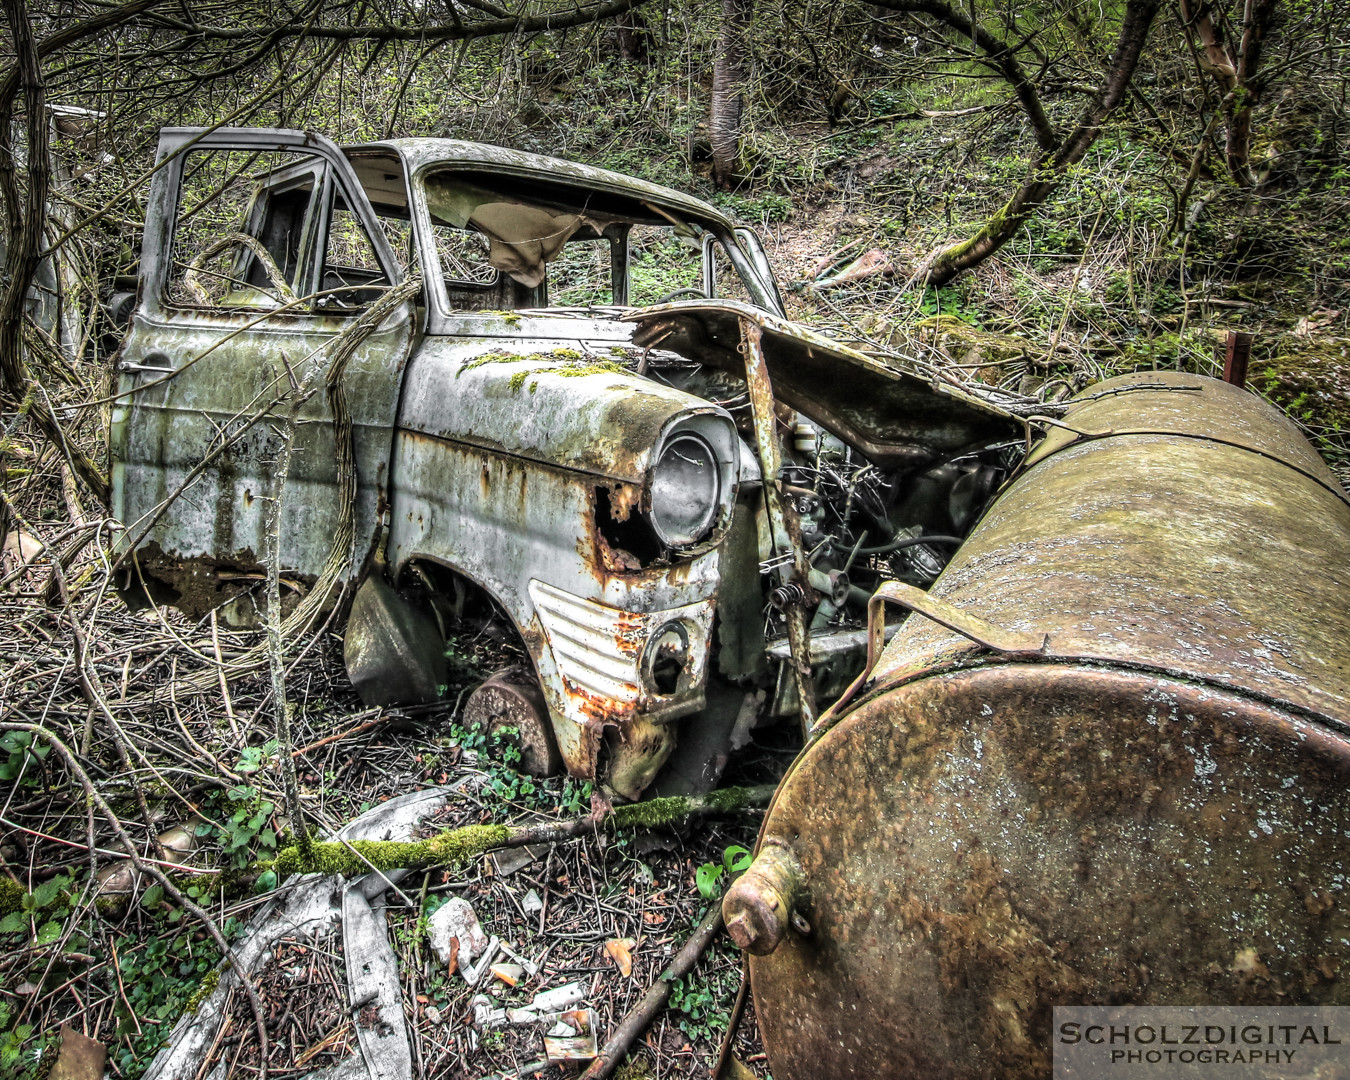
(764, 295)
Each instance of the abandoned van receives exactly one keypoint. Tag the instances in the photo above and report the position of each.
(470, 376)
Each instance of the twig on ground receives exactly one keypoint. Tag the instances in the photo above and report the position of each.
(636, 1022)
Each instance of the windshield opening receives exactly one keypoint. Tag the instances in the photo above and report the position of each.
(513, 244)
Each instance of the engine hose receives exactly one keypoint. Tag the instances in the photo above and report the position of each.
(911, 541)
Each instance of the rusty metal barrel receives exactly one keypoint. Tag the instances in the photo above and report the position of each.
(1138, 795)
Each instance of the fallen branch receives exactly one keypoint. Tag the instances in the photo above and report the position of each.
(337, 737)
(637, 1021)
(455, 847)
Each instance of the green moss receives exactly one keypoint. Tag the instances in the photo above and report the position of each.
(650, 814)
(1310, 378)
(724, 800)
(111, 906)
(458, 846)
(494, 357)
(451, 848)
(600, 367)
(512, 318)
(11, 896)
(573, 366)
(455, 847)
(203, 991)
(635, 1068)
(656, 812)
(993, 227)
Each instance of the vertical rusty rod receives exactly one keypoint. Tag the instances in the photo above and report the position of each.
(783, 523)
(1239, 350)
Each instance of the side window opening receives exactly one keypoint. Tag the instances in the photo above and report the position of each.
(514, 242)
(245, 219)
(352, 276)
(472, 283)
(663, 263)
(398, 231)
(728, 283)
(381, 176)
(463, 255)
(280, 233)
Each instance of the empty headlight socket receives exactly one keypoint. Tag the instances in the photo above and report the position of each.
(666, 658)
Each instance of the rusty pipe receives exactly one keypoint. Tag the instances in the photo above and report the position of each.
(759, 907)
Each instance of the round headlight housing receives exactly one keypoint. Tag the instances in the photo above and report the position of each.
(686, 490)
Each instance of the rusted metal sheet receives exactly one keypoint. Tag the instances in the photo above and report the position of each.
(1238, 350)
(540, 401)
(1188, 529)
(511, 699)
(1152, 809)
(893, 417)
(535, 514)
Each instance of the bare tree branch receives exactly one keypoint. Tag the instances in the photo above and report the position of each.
(1001, 55)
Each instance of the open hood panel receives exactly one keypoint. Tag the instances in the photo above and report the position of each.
(894, 418)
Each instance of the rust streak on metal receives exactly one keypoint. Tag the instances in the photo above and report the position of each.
(1006, 642)
(783, 523)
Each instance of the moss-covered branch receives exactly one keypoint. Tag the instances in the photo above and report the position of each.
(454, 847)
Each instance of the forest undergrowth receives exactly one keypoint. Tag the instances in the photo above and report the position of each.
(141, 721)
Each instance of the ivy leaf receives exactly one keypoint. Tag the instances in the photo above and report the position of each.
(14, 741)
(706, 878)
(737, 859)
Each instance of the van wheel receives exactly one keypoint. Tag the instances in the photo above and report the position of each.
(511, 699)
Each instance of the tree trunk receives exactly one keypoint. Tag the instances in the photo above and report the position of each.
(1235, 76)
(634, 38)
(1050, 169)
(25, 217)
(25, 220)
(1238, 149)
(728, 92)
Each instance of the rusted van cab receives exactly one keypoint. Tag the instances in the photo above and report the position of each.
(544, 388)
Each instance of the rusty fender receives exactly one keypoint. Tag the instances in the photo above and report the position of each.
(539, 515)
(1148, 805)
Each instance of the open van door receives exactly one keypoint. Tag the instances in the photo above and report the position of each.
(262, 259)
